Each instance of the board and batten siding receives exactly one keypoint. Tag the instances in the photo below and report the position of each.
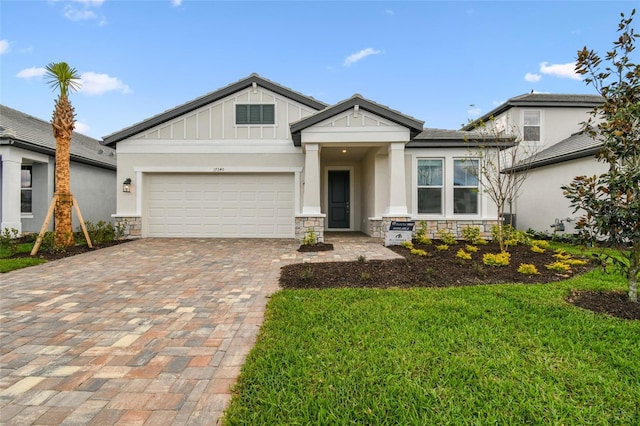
(217, 120)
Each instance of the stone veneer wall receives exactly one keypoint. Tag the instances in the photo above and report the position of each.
(132, 226)
(305, 223)
(378, 227)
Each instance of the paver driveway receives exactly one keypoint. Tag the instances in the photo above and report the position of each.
(149, 332)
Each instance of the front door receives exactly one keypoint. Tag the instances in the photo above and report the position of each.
(339, 199)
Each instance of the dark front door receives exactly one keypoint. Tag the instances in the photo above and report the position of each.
(338, 198)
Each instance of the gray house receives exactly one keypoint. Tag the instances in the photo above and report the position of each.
(27, 152)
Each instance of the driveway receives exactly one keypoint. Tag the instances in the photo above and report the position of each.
(153, 331)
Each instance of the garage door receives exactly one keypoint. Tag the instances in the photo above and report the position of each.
(220, 205)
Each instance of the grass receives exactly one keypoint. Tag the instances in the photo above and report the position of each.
(503, 354)
(8, 265)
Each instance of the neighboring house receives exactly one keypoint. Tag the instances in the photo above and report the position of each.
(542, 205)
(549, 125)
(27, 151)
(256, 159)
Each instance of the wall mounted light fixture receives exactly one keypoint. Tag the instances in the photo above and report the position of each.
(126, 185)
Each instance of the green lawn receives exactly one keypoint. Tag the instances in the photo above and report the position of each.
(7, 265)
(503, 354)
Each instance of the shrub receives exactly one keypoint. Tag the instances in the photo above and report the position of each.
(418, 252)
(559, 266)
(540, 243)
(575, 262)
(428, 274)
(365, 276)
(362, 259)
(421, 234)
(561, 255)
(461, 254)
(499, 259)
(528, 269)
(479, 270)
(310, 238)
(446, 237)
(510, 235)
(470, 248)
(471, 234)
(100, 232)
(537, 249)
(307, 273)
(407, 244)
(9, 240)
(442, 247)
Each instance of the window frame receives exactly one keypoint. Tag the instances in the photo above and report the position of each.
(251, 111)
(28, 189)
(525, 125)
(475, 187)
(442, 186)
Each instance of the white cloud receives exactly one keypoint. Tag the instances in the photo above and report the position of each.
(73, 14)
(176, 2)
(532, 78)
(560, 70)
(29, 73)
(474, 111)
(86, 11)
(98, 84)
(4, 47)
(82, 127)
(355, 57)
(90, 3)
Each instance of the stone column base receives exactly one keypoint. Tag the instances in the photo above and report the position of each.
(308, 223)
(131, 226)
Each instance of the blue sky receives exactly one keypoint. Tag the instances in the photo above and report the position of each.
(441, 62)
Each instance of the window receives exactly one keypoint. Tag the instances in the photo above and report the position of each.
(531, 129)
(429, 186)
(465, 186)
(255, 114)
(26, 204)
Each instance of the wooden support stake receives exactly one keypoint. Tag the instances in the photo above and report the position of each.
(84, 228)
(47, 219)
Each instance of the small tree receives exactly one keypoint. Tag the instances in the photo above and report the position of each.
(61, 76)
(610, 202)
(503, 166)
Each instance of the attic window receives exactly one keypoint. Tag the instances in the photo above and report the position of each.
(255, 114)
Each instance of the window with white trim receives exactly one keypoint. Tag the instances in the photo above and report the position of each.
(26, 189)
(430, 199)
(531, 126)
(255, 114)
(465, 186)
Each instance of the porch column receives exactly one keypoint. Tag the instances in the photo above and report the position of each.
(397, 183)
(311, 194)
(11, 178)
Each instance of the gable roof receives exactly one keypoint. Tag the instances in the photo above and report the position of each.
(541, 100)
(210, 98)
(414, 125)
(578, 145)
(31, 133)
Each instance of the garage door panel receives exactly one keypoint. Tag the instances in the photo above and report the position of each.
(220, 205)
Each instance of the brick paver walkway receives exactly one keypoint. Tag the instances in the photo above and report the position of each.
(150, 332)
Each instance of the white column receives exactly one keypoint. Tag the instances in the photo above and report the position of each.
(311, 193)
(397, 183)
(11, 177)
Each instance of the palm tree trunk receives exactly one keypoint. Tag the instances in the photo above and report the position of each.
(63, 123)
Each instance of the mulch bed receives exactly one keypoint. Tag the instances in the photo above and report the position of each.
(443, 269)
(70, 251)
(308, 248)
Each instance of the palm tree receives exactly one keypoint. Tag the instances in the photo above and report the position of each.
(61, 76)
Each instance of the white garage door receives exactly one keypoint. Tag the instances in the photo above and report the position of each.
(220, 205)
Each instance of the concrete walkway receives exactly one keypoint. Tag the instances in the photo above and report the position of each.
(151, 332)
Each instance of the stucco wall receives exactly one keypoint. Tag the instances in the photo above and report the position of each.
(541, 200)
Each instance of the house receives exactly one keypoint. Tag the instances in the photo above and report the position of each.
(27, 152)
(256, 159)
(550, 126)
